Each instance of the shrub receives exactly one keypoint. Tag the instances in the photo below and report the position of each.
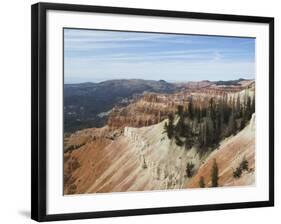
(144, 166)
(237, 173)
(75, 164)
(243, 166)
(72, 189)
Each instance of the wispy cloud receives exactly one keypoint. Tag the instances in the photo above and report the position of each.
(94, 55)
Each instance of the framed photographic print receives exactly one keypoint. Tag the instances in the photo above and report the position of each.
(139, 111)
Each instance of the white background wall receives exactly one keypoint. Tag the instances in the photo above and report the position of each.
(15, 110)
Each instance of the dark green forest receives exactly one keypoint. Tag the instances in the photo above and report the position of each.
(205, 125)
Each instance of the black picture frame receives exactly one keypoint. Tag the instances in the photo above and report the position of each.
(38, 108)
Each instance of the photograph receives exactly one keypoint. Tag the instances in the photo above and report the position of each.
(146, 111)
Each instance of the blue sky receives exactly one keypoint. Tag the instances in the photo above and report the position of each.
(94, 56)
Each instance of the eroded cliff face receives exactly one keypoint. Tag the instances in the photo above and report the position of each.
(151, 108)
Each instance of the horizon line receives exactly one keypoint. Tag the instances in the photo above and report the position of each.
(158, 80)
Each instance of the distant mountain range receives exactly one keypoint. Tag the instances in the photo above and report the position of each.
(83, 102)
(87, 104)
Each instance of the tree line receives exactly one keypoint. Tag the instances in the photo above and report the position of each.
(205, 125)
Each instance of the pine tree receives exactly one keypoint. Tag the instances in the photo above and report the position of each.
(242, 123)
(238, 107)
(206, 134)
(199, 115)
(215, 174)
(180, 111)
(180, 127)
(244, 165)
(209, 132)
(253, 105)
(190, 109)
(248, 103)
(189, 169)
(201, 136)
(232, 126)
(201, 182)
(170, 127)
(226, 111)
(218, 126)
(212, 108)
(165, 128)
(178, 141)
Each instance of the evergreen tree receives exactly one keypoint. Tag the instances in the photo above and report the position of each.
(226, 112)
(242, 123)
(232, 126)
(165, 128)
(189, 169)
(201, 182)
(218, 126)
(253, 105)
(239, 170)
(190, 109)
(199, 115)
(244, 165)
(203, 112)
(180, 111)
(201, 136)
(238, 107)
(247, 108)
(169, 128)
(206, 122)
(212, 108)
(215, 174)
(206, 134)
(178, 141)
(180, 127)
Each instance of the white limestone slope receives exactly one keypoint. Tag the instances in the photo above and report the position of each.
(149, 161)
(143, 159)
